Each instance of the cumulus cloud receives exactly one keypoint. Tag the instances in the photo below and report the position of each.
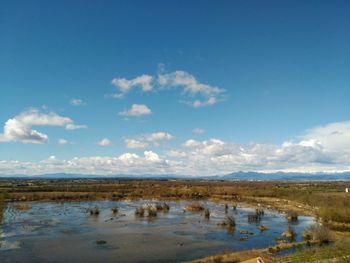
(210, 95)
(136, 110)
(198, 94)
(333, 136)
(105, 142)
(77, 102)
(144, 82)
(19, 128)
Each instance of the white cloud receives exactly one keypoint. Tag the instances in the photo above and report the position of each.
(135, 144)
(333, 136)
(198, 131)
(210, 95)
(19, 128)
(198, 94)
(77, 102)
(124, 86)
(105, 142)
(136, 110)
(63, 141)
(315, 151)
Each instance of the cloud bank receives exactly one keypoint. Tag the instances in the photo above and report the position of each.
(320, 149)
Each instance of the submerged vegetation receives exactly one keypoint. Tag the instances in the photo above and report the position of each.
(94, 211)
(229, 223)
(101, 242)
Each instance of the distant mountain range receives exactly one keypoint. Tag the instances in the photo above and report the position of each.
(284, 176)
(236, 176)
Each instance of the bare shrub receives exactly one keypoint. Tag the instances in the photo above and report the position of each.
(95, 211)
(207, 213)
(229, 222)
(151, 212)
(292, 216)
(259, 211)
(317, 232)
(140, 212)
(166, 207)
(253, 218)
(289, 233)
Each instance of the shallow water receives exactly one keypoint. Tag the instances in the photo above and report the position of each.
(66, 232)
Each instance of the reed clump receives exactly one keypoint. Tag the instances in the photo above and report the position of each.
(95, 211)
(292, 216)
(140, 212)
(206, 213)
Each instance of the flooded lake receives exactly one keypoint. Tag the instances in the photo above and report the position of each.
(66, 232)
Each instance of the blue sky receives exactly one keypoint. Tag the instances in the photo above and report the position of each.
(271, 80)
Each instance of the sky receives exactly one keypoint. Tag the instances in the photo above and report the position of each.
(174, 87)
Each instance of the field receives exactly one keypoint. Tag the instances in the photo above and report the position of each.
(325, 200)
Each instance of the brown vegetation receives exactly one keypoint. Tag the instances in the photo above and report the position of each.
(292, 216)
(317, 232)
(289, 233)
